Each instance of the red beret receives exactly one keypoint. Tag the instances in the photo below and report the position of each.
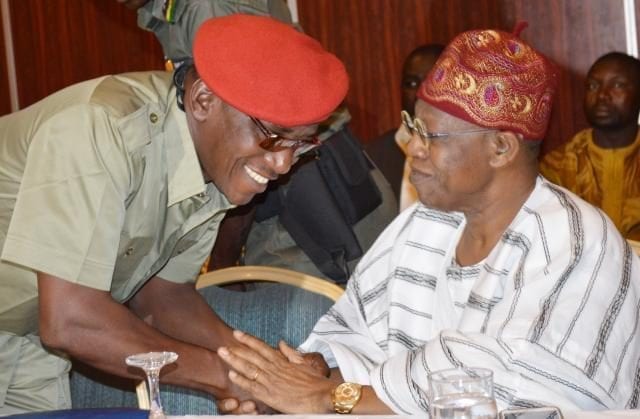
(495, 80)
(269, 70)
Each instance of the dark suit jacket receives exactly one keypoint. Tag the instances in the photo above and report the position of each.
(386, 154)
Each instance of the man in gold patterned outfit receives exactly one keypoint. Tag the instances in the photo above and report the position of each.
(601, 164)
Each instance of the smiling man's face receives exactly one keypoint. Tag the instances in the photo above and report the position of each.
(229, 149)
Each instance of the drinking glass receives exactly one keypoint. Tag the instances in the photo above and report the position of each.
(152, 363)
(462, 393)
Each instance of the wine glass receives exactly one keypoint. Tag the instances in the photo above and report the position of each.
(464, 393)
(152, 363)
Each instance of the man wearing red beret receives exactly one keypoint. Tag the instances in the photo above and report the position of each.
(111, 193)
(331, 207)
(495, 267)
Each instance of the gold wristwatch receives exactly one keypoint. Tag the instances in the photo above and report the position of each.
(345, 396)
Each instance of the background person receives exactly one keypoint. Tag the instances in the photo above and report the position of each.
(176, 22)
(495, 267)
(389, 151)
(111, 194)
(601, 164)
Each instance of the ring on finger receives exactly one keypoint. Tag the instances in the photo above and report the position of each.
(256, 375)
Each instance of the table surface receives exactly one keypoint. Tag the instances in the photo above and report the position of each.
(609, 414)
(143, 414)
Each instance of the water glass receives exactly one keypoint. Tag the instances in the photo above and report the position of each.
(462, 393)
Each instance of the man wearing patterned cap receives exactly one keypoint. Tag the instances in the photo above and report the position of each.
(111, 193)
(494, 268)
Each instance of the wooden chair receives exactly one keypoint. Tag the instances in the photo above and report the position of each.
(271, 274)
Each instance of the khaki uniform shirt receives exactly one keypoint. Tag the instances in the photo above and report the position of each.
(100, 185)
(176, 32)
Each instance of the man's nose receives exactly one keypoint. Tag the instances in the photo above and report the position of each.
(603, 92)
(281, 160)
(417, 147)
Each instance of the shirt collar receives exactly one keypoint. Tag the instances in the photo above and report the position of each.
(185, 175)
(625, 153)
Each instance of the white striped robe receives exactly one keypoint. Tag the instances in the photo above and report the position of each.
(552, 310)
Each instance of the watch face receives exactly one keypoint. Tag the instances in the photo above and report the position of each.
(345, 397)
(348, 391)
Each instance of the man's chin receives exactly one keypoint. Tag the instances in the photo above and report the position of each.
(604, 124)
(240, 200)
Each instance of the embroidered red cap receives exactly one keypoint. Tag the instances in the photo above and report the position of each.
(493, 79)
(269, 70)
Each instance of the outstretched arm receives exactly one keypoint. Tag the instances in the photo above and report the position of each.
(90, 326)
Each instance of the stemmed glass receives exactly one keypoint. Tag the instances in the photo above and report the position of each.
(152, 363)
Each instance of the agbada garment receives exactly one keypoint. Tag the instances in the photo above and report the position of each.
(552, 310)
(606, 178)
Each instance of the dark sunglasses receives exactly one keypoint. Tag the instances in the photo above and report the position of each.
(275, 142)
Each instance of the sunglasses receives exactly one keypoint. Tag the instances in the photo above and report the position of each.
(275, 142)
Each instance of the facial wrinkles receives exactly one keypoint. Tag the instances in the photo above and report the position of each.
(229, 146)
(456, 165)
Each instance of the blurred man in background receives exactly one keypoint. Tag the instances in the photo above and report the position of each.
(601, 164)
(389, 151)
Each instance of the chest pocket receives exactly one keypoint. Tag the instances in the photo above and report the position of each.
(135, 257)
(183, 245)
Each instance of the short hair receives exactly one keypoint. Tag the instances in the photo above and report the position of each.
(179, 77)
(427, 49)
(532, 148)
(622, 58)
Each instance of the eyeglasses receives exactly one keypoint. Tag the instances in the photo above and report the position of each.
(416, 126)
(275, 142)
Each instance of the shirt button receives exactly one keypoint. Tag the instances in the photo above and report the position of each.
(129, 251)
(153, 118)
(201, 195)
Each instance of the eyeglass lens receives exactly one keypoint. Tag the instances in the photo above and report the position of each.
(414, 125)
(275, 142)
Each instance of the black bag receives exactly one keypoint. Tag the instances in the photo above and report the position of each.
(321, 202)
(347, 172)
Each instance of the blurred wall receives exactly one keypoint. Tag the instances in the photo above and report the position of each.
(5, 100)
(59, 42)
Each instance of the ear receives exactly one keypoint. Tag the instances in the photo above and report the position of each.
(199, 100)
(504, 147)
